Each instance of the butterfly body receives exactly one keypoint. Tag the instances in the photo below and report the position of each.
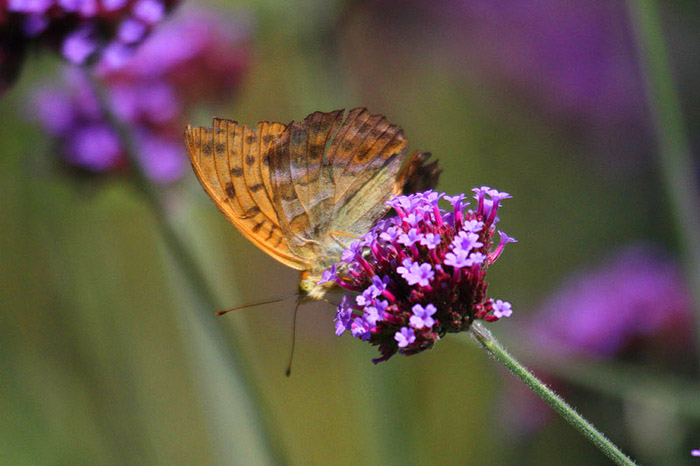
(288, 188)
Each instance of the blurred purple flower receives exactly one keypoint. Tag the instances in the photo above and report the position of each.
(635, 300)
(636, 294)
(201, 54)
(575, 63)
(94, 146)
(79, 29)
(151, 91)
(409, 292)
(575, 59)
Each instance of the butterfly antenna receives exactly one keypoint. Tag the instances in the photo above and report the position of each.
(294, 340)
(269, 301)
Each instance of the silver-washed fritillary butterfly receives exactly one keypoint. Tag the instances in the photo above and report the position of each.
(287, 188)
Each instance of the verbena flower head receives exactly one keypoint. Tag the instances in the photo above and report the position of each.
(420, 275)
(200, 57)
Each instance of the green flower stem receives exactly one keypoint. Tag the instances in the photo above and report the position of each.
(195, 281)
(679, 174)
(486, 339)
(618, 379)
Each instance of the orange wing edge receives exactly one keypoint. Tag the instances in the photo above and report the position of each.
(289, 260)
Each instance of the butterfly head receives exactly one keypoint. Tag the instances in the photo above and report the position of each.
(310, 288)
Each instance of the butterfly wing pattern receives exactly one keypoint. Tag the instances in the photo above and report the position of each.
(287, 188)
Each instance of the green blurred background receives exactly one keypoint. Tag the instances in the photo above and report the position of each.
(105, 359)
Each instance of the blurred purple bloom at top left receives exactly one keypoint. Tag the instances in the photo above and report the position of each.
(200, 57)
(79, 29)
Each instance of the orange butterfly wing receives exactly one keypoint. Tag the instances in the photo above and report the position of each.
(231, 163)
(334, 174)
(287, 187)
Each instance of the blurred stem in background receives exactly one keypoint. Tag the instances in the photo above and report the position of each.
(490, 344)
(678, 173)
(243, 431)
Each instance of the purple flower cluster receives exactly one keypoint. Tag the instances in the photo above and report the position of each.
(200, 57)
(80, 29)
(419, 275)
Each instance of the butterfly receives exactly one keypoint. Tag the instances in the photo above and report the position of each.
(289, 188)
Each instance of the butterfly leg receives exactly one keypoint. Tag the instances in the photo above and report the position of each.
(333, 235)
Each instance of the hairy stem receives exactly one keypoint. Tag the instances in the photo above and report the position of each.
(490, 344)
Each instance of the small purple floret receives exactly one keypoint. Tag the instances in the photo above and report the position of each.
(329, 275)
(502, 309)
(405, 337)
(410, 238)
(466, 241)
(422, 316)
(457, 259)
(419, 274)
(431, 240)
(473, 226)
(343, 317)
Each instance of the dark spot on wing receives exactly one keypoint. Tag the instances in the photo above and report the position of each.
(298, 136)
(363, 155)
(316, 152)
(207, 149)
(256, 187)
(268, 138)
(347, 146)
(250, 159)
(252, 211)
(288, 195)
(237, 172)
(230, 190)
(258, 226)
(250, 139)
(220, 147)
